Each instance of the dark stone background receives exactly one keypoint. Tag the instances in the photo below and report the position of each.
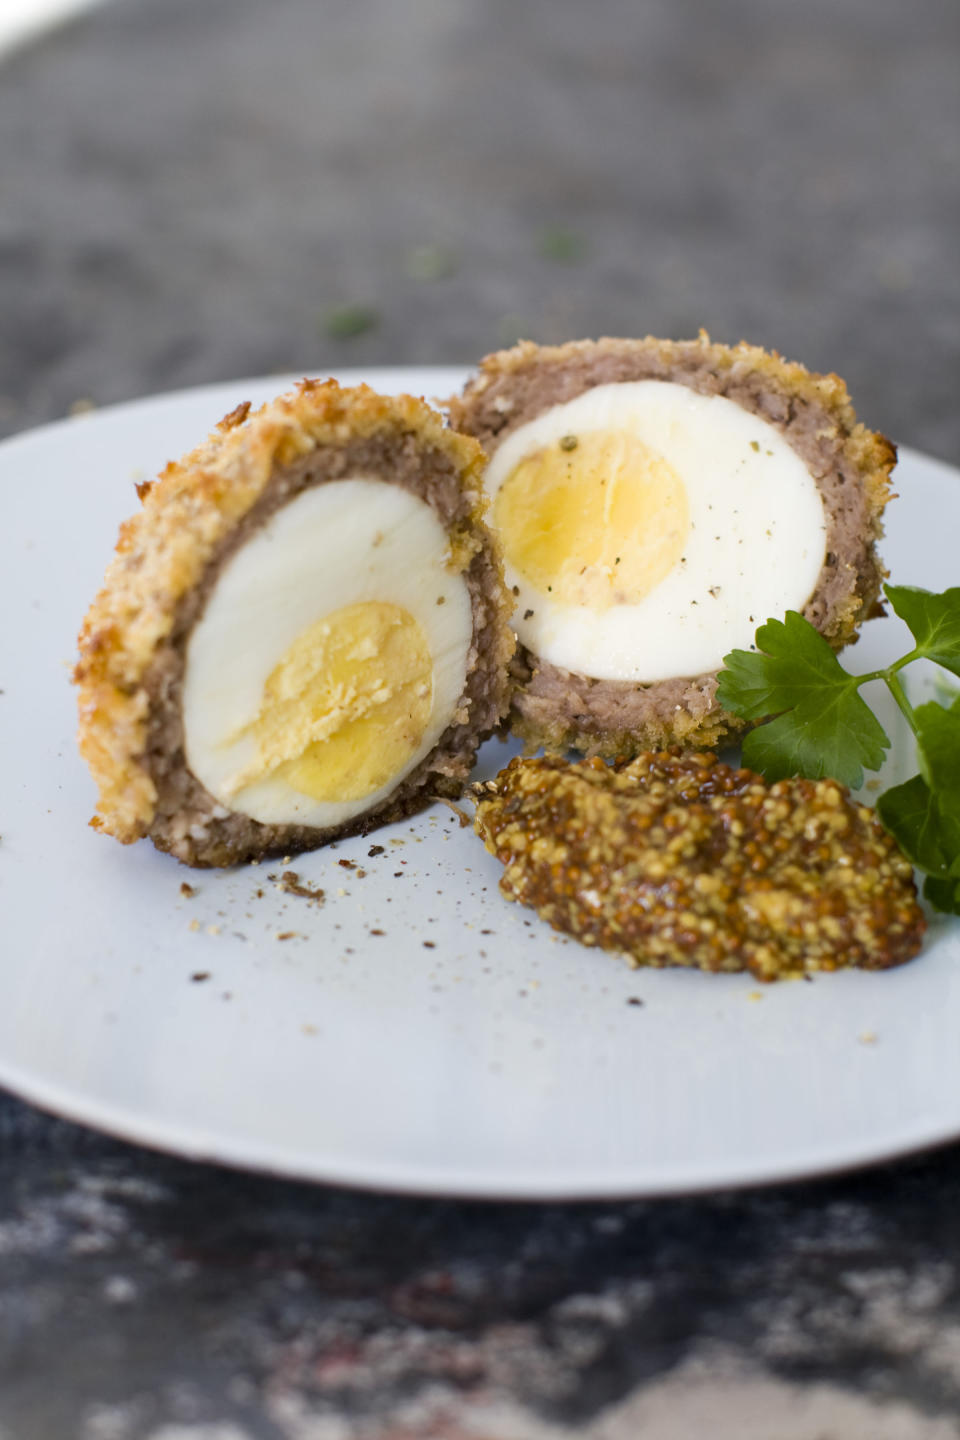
(192, 190)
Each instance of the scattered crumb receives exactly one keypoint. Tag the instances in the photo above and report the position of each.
(200, 975)
(194, 924)
(213, 929)
(291, 884)
(375, 850)
(187, 891)
(309, 1029)
(634, 1000)
(286, 934)
(347, 864)
(429, 945)
(869, 1037)
(378, 932)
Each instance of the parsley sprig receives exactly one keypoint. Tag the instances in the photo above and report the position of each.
(824, 727)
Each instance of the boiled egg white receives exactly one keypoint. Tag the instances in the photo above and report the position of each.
(649, 529)
(330, 657)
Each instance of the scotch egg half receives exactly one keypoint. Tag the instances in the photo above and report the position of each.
(657, 501)
(305, 631)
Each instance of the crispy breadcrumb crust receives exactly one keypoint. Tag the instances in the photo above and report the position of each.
(187, 515)
(512, 386)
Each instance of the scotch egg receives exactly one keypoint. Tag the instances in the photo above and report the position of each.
(656, 501)
(304, 632)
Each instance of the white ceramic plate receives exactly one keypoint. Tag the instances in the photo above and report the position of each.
(417, 1032)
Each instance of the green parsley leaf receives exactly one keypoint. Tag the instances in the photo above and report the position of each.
(934, 621)
(938, 740)
(943, 895)
(823, 727)
(912, 814)
(926, 824)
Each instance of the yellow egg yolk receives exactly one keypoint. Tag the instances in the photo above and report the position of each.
(347, 706)
(596, 520)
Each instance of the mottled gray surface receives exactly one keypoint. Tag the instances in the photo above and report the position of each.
(191, 191)
(188, 189)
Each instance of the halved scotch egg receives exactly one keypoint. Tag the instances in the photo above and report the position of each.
(304, 632)
(656, 501)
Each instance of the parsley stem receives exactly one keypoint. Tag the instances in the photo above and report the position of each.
(900, 695)
(907, 659)
(892, 678)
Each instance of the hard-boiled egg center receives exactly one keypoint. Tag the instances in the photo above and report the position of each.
(595, 520)
(330, 657)
(715, 519)
(347, 705)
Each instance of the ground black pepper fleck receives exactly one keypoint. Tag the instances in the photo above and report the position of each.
(681, 860)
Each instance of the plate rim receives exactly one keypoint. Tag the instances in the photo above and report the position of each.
(261, 1159)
